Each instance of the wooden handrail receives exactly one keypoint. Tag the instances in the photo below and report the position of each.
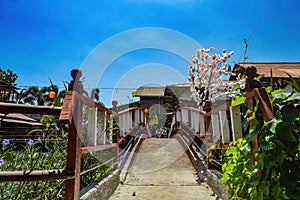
(129, 133)
(85, 150)
(69, 102)
(194, 109)
(36, 175)
(264, 100)
(67, 108)
(128, 110)
(89, 102)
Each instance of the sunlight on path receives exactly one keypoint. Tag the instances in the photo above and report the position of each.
(161, 170)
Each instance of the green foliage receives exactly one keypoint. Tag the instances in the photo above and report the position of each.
(47, 152)
(8, 77)
(294, 83)
(40, 96)
(238, 100)
(44, 153)
(273, 172)
(215, 152)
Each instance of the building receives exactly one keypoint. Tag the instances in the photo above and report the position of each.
(17, 126)
(278, 72)
(171, 97)
(151, 95)
(7, 92)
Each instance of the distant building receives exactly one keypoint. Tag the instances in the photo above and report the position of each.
(14, 125)
(7, 92)
(17, 126)
(279, 71)
(183, 94)
(151, 95)
(170, 97)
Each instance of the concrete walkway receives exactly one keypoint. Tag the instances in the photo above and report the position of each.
(161, 170)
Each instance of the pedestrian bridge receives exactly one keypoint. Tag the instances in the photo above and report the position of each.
(161, 169)
(146, 167)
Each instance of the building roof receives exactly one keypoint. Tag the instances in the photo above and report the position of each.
(18, 118)
(182, 91)
(279, 69)
(151, 91)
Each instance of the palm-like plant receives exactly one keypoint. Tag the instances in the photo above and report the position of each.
(28, 95)
(40, 96)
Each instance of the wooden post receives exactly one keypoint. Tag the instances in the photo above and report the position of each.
(249, 102)
(133, 118)
(116, 121)
(207, 109)
(264, 104)
(116, 128)
(111, 124)
(74, 140)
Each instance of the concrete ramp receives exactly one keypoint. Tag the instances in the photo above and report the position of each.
(161, 170)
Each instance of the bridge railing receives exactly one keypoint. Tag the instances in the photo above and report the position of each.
(91, 128)
(130, 118)
(224, 122)
(107, 129)
(221, 122)
(85, 134)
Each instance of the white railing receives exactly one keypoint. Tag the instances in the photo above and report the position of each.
(129, 118)
(222, 122)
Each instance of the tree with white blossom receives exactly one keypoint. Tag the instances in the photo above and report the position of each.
(205, 76)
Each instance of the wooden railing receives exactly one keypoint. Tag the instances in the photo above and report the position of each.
(119, 132)
(106, 130)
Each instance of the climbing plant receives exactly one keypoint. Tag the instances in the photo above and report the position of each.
(273, 171)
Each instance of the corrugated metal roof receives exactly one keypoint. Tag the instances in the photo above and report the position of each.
(182, 91)
(279, 69)
(151, 91)
(19, 119)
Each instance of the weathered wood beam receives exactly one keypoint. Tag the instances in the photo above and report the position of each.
(29, 109)
(36, 175)
(85, 150)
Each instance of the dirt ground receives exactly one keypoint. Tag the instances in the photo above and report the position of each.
(161, 170)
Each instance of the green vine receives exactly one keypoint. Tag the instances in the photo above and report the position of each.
(272, 172)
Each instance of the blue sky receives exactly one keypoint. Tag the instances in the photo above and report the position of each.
(41, 39)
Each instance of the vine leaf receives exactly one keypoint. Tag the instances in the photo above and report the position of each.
(235, 87)
(284, 131)
(290, 113)
(238, 100)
